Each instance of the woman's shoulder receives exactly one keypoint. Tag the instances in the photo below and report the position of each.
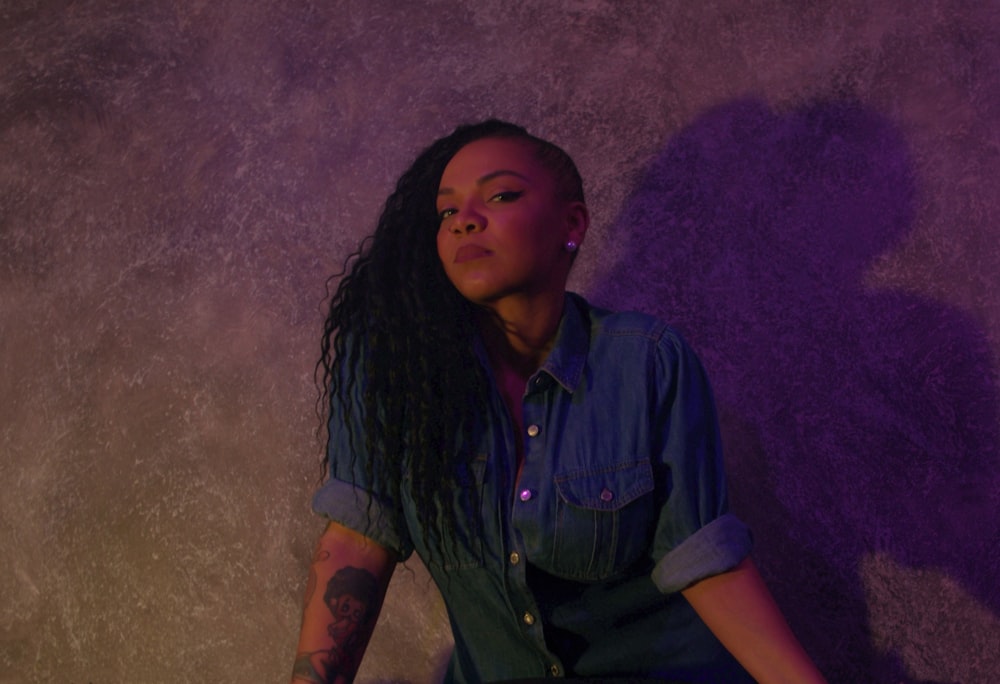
(627, 323)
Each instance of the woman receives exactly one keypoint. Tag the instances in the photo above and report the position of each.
(557, 467)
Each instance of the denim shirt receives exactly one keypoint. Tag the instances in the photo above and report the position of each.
(621, 503)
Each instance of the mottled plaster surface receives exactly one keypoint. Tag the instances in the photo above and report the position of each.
(807, 190)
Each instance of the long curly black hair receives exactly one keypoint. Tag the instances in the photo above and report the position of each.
(399, 334)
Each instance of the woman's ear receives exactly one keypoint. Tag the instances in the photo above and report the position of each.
(578, 220)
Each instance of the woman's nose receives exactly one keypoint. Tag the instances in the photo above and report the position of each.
(467, 221)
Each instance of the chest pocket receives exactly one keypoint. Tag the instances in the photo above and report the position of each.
(604, 519)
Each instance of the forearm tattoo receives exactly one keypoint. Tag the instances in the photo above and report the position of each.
(351, 596)
(320, 556)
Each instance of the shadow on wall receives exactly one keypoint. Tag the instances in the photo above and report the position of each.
(861, 425)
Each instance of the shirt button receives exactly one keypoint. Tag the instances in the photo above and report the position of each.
(528, 618)
(533, 430)
(525, 494)
(607, 495)
(515, 558)
(554, 669)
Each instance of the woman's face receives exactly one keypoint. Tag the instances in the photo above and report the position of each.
(503, 225)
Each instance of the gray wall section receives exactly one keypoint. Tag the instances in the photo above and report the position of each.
(807, 190)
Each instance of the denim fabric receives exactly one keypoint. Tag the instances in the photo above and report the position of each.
(620, 504)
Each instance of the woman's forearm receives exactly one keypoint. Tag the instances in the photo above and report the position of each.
(348, 578)
(738, 608)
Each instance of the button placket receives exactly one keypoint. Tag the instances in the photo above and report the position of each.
(527, 492)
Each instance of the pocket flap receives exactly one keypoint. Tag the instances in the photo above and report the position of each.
(608, 488)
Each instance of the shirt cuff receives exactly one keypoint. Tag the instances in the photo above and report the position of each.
(715, 548)
(355, 508)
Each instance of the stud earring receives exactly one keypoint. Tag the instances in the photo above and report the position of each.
(571, 246)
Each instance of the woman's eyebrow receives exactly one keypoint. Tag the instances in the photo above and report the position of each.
(487, 178)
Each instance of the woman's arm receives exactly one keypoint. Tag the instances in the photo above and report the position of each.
(738, 608)
(347, 582)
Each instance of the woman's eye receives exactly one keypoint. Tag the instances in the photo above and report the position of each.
(506, 196)
(445, 213)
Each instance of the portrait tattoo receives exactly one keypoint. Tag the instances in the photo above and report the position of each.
(350, 595)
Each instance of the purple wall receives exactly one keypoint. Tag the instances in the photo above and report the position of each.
(807, 190)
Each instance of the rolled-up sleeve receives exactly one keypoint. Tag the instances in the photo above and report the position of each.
(715, 548)
(348, 497)
(356, 508)
(696, 535)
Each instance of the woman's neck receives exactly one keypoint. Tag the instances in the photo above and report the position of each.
(519, 333)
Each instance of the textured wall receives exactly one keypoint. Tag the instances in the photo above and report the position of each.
(807, 189)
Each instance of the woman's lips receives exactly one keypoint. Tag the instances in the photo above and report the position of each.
(470, 252)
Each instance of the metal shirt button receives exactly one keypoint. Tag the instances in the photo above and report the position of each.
(533, 430)
(525, 494)
(554, 669)
(528, 618)
(607, 495)
(515, 558)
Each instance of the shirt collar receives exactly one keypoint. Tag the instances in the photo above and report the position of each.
(569, 353)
